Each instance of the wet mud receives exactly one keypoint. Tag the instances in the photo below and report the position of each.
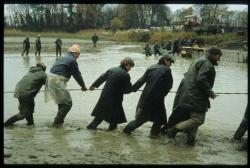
(74, 144)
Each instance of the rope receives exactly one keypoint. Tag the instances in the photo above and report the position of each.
(219, 93)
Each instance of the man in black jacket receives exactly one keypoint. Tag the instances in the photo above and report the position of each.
(109, 106)
(59, 75)
(95, 38)
(38, 45)
(26, 46)
(192, 98)
(151, 107)
(26, 90)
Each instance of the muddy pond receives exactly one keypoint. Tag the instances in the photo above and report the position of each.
(74, 144)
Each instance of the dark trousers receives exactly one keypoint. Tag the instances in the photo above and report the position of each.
(63, 110)
(38, 50)
(26, 110)
(58, 51)
(96, 121)
(25, 50)
(155, 129)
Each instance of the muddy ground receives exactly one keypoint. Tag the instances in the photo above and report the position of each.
(74, 144)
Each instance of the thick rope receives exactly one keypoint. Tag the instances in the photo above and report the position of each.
(142, 90)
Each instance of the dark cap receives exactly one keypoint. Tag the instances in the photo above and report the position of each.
(214, 51)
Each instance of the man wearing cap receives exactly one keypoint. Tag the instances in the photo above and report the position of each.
(192, 98)
(26, 46)
(38, 45)
(56, 85)
(159, 81)
(26, 90)
(109, 106)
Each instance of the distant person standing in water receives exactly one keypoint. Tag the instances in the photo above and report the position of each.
(95, 38)
(26, 46)
(58, 43)
(38, 45)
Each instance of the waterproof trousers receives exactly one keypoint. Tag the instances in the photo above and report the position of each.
(26, 110)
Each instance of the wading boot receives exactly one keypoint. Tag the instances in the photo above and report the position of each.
(11, 121)
(112, 127)
(30, 120)
(171, 132)
(93, 125)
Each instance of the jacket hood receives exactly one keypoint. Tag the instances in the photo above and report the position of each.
(34, 69)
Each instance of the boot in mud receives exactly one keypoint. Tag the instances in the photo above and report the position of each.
(112, 126)
(171, 132)
(12, 120)
(93, 125)
(30, 120)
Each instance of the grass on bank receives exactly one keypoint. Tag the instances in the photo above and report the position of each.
(150, 37)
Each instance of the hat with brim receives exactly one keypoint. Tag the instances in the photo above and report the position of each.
(74, 49)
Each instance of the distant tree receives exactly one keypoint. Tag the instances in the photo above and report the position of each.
(115, 24)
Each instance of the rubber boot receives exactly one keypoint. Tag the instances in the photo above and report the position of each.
(30, 120)
(93, 125)
(240, 131)
(171, 132)
(112, 126)
(63, 110)
(12, 120)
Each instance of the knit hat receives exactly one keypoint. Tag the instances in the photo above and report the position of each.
(74, 49)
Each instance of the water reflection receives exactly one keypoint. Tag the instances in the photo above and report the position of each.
(26, 61)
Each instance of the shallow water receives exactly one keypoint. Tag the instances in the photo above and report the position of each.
(74, 144)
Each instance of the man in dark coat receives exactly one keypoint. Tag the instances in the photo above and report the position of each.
(38, 45)
(176, 47)
(95, 38)
(26, 90)
(147, 50)
(192, 98)
(109, 106)
(159, 81)
(60, 74)
(58, 43)
(26, 46)
(157, 49)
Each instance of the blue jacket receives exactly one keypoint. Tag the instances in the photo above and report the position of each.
(67, 66)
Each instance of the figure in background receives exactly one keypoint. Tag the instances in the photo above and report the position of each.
(157, 48)
(147, 50)
(26, 46)
(38, 45)
(95, 38)
(58, 43)
(26, 91)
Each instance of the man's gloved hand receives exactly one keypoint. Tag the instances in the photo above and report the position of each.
(84, 88)
(212, 95)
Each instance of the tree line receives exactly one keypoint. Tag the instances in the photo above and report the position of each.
(75, 17)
